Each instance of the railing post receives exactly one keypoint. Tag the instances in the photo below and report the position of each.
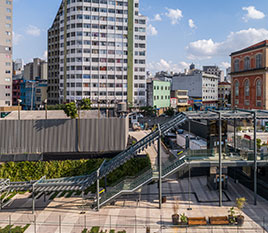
(60, 224)
(255, 158)
(159, 168)
(34, 224)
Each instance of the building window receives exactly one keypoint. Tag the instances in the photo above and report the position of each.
(236, 88)
(246, 88)
(258, 88)
(246, 63)
(236, 65)
(258, 61)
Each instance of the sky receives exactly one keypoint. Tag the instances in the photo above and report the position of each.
(180, 32)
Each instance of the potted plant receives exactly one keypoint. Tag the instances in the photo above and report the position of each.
(231, 216)
(183, 219)
(175, 216)
(240, 203)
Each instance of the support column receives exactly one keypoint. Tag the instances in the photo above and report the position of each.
(98, 190)
(1, 201)
(33, 199)
(159, 169)
(220, 162)
(255, 158)
(235, 146)
(189, 130)
(189, 187)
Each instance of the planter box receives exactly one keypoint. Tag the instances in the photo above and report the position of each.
(221, 220)
(197, 221)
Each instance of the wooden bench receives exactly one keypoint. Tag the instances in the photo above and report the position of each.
(196, 221)
(221, 220)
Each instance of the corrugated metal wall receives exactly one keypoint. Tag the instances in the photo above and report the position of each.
(88, 135)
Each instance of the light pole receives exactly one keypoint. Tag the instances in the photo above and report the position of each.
(98, 101)
(19, 102)
(78, 104)
(45, 102)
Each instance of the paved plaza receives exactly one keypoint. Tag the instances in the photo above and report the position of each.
(136, 212)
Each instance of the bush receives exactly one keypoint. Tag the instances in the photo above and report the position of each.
(25, 171)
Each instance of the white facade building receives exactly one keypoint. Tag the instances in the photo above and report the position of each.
(97, 50)
(200, 86)
(6, 18)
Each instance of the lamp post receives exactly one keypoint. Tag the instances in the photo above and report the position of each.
(19, 102)
(98, 101)
(45, 102)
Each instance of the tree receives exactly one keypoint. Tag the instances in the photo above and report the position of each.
(170, 112)
(148, 111)
(86, 104)
(259, 143)
(71, 110)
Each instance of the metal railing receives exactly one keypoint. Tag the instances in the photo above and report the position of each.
(135, 224)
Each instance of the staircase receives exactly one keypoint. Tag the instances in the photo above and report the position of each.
(129, 153)
(131, 185)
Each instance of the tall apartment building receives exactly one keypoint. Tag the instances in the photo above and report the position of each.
(6, 52)
(97, 50)
(35, 70)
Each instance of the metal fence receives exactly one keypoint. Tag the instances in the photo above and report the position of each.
(133, 224)
(63, 135)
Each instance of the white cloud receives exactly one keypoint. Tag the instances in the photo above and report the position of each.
(33, 30)
(175, 15)
(202, 48)
(157, 17)
(44, 57)
(205, 49)
(17, 38)
(151, 30)
(191, 23)
(253, 13)
(164, 65)
(225, 65)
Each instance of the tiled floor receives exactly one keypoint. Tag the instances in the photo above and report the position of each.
(64, 215)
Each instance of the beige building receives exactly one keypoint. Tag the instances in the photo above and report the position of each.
(40, 95)
(6, 52)
(36, 69)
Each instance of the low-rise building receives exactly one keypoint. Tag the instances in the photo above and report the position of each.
(33, 94)
(16, 90)
(224, 91)
(201, 87)
(158, 93)
(182, 99)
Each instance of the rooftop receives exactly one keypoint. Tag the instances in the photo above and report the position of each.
(54, 114)
(252, 47)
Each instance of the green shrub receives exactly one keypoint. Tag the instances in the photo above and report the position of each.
(95, 230)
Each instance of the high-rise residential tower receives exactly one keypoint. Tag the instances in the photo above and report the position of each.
(97, 50)
(6, 52)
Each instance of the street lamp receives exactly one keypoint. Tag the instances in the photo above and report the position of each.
(45, 102)
(19, 102)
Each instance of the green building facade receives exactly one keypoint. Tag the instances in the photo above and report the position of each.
(158, 94)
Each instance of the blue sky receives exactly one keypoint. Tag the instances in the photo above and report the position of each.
(179, 31)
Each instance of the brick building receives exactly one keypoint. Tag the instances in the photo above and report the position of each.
(249, 74)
